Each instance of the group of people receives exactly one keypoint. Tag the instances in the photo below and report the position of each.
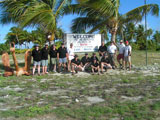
(66, 58)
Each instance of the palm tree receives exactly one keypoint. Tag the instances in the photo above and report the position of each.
(156, 38)
(98, 13)
(35, 13)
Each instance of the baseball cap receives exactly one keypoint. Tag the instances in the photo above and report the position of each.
(36, 45)
(62, 44)
(121, 41)
(46, 44)
(86, 53)
(127, 42)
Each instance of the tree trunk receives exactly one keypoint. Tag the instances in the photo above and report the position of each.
(113, 37)
(18, 40)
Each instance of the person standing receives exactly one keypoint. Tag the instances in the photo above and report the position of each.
(127, 55)
(102, 50)
(36, 54)
(120, 56)
(112, 49)
(70, 55)
(62, 56)
(44, 58)
(53, 57)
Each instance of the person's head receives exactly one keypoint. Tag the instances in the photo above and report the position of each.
(46, 45)
(76, 57)
(121, 41)
(103, 44)
(94, 60)
(127, 43)
(112, 43)
(71, 45)
(94, 54)
(86, 54)
(36, 47)
(62, 45)
(54, 46)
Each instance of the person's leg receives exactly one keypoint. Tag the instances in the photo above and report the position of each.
(69, 65)
(60, 64)
(39, 70)
(98, 70)
(129, 62)
(118, 59)
(34, 68)
(92, 70)
(102, 67)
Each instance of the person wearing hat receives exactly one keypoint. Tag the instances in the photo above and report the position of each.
(36, 54)
(105, 63)
(44, 58)
(120, 56)
(70, 51)
(127, 55)
(53, 57)
(112, 49)
(62, 56)
(95, 66)
(76, 65)
(85, 62)
(102, 50)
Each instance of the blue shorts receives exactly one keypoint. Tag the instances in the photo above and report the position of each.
(44, 63)
(35, 63)
(63, 60)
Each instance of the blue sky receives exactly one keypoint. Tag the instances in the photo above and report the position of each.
(126, 5)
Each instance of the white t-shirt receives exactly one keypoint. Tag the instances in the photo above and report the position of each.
(121, 48)
(126, 50)
(70, 53)
(112, 49)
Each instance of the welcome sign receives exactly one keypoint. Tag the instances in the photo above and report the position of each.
(83, 42)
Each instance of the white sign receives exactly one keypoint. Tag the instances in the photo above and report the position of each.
(84, 42)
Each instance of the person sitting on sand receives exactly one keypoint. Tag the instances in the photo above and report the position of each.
(105, 63)
(95, 66)
(76, 65)
(85, 62)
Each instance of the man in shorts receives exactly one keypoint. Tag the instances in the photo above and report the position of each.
(44, 58)
(36, 54)
(112, 49)
(105, 64)
(127, 55)
(85, 62)
(95, 66)
(62, 56)
(70, 55)
(102, 50)
(76, 65)
(120, 56)
(53, 57)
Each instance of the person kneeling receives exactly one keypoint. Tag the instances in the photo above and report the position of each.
(76, 65)
(95, 66)
(105, 63)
